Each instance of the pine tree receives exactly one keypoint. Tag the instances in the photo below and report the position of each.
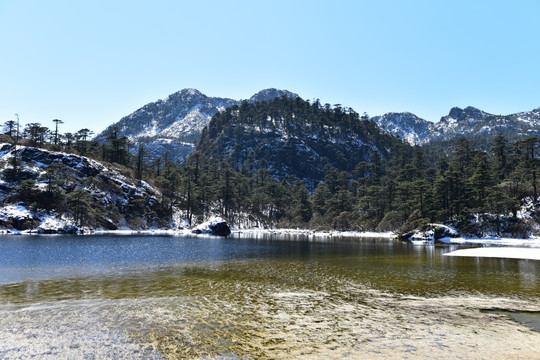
(9, 128)
(501, 151)
(481, 179)
(56, 121)
(140, 163)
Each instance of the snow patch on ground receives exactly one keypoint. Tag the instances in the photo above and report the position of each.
(499, 252)
(130, 232)
(14, 211)
(54, 222)
(533, 242)
(245, 233)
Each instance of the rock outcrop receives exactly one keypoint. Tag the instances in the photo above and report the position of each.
(55, 192)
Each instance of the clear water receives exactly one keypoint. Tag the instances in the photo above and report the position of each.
(268, 297)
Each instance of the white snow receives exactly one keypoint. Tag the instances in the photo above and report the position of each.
(54, 222)
(499, 252)
(14, 211)
(129, 232)
(494, 241)
(193, 122)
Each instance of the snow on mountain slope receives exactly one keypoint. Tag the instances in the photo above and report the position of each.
(192, 123)
(407, 126)
(174, 125)
(470, 122)
(475, 124)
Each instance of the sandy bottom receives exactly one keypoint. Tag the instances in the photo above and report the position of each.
(271, 324)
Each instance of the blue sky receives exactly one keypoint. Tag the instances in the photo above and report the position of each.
(90, 63)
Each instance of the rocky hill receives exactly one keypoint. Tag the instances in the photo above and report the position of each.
(56, 192)
(174, 125)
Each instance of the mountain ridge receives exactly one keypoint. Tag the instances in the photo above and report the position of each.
(470, 122)
(174, 125)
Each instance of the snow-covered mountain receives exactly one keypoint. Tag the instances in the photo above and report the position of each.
(470, 123)
(476, 124)
(174, 125)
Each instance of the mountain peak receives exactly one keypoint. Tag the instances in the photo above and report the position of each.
(455, 112)
(191, 91)
(405, 125)
(271, 93)
(186, 93)
(467, 113)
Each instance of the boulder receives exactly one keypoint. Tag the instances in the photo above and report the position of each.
(220, 228)
(430, 233)
(442, 231)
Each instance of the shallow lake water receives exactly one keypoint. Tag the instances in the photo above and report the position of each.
(270, 297)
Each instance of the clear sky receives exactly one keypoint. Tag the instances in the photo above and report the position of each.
(91, 62)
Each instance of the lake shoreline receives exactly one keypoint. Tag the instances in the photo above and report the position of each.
(533, 242)
(511, 248)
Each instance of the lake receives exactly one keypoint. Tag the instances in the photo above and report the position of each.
(271, 297)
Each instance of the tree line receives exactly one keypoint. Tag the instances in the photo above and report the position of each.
(115, 150)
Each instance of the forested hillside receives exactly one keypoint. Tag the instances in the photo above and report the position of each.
(393, 187)
(479, 192)
(51, 191)
(294, 138)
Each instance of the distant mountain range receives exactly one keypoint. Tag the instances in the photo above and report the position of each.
(471, 123)
(174, 125)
